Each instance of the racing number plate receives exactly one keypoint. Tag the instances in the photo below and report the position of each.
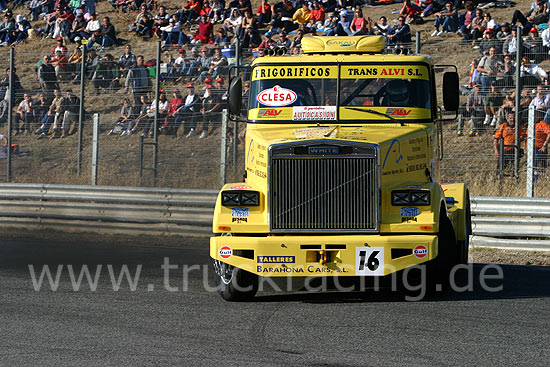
(369, 260)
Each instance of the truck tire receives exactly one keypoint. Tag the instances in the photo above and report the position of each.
(234, 284)
(464, 246)
(439, 269)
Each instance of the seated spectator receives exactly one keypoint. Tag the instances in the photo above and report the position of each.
(282, 16)
(211, 110)
(169, 122)
(204, 61)
(268, 42)
(143, 23)
(510, 44)
(504, 32)
(465, 21)
(400, 34)
(222, 39)
(41, 107)
(447, 19)
(317, 16)
(218, 12)
(59, 62)
(297, 41)
(302, 16)
(161, 19)
(248, 21)
(491, 23)
(263, 15)
(506, 72)
(207, 9)
(20, 33)
(409, 11)
(343, 27)
(78, 28)
(479, 24)
(359, 24)
(92, 26)
(108, 33)
(106, 75)
(127, 61)
(382, 27)
(25, 112)
(426, 6)
(142, 117)
(46, 75)
(541, 102)
(218, 65)
(534, 17)
(188, 112)
(283, 40)
(148, 128)
(490, 40)
(251, 38)
(6, 29)
(35, 9)
(531, 73)
(46, 123)
(533, 46)
(191, 11)
(51, 19)
(192, 64)
(233, 23)
(205, 34)
(170, 34)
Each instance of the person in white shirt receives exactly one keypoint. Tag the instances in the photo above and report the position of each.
(162, 113)
(545, 36)
(170, 33)
(25, 112)
(530, 71)
(93, 25)
(187, 113)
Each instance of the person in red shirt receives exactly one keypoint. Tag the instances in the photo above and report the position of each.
(173, 105)
(59, 62)
(268, 42)
(206, 29)
(58, 47)
(264, 13)
(193, 10)
(317, 14)
(507, 132)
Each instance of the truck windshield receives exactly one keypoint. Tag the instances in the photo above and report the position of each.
(309, 93)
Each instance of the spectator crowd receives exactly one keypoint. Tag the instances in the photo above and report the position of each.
(197, 37)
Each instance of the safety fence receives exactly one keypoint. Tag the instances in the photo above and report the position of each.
(505, 223)
(193, 162)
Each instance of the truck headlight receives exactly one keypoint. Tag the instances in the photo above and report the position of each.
(240, 198)
(410, 197)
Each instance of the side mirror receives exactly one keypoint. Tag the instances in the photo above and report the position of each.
(450, 91)
(235, 98)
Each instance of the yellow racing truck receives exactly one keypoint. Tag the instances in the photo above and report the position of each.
(341, 172)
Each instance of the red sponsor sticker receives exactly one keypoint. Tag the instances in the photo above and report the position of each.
(277, 97)
(420, 251)
(225, 252)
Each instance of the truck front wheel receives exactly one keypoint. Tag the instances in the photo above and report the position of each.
(235, 284)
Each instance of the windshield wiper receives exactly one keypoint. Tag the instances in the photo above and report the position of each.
(376, 113)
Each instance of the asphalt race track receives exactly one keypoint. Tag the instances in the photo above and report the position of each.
(195, 327)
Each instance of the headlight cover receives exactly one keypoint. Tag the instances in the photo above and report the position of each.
(240, 198)
(410, 197)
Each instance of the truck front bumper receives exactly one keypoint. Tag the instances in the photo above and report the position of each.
(347, 255)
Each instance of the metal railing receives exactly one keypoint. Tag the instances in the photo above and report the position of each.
(497, 222)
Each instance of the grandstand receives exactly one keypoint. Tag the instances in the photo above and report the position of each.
(190, 162)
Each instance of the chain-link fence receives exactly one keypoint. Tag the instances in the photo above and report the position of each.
(46, 140)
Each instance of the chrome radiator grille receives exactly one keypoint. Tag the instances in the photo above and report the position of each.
(324, 193)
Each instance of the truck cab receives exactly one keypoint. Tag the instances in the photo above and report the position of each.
(341, 170)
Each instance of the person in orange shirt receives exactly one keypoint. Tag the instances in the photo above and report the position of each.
(507, 132)
(542, 137)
